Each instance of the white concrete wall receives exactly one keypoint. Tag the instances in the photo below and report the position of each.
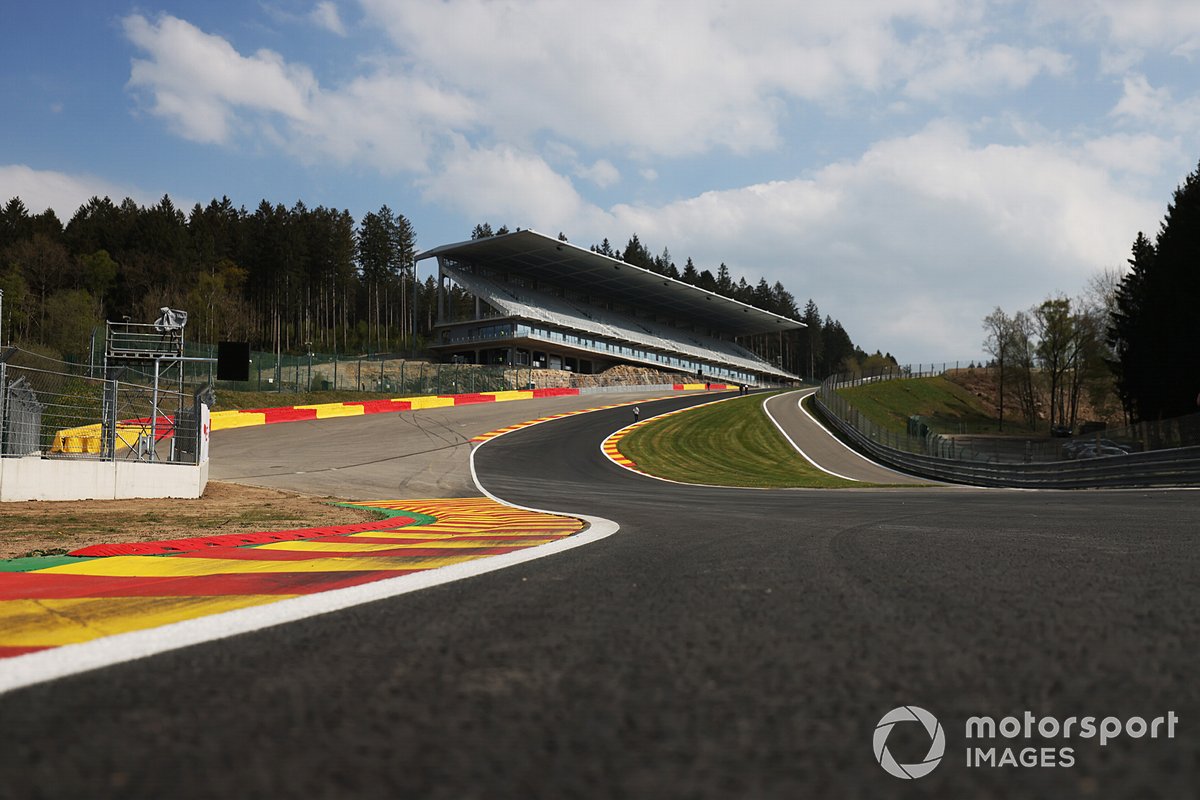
(36, 478)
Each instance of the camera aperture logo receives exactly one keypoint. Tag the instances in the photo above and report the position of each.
(1020, 741)
(937, 742)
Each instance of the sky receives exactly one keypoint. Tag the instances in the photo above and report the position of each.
(907, 164)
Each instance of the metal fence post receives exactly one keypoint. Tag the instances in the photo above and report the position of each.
(3, 393)
(108, 426)
(154, 415)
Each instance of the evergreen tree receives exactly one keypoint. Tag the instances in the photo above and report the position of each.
(636, 254)
(761, 297)
(811, 347)
(663, 264)
(689, 274)
(1152, 331)
(724, 281)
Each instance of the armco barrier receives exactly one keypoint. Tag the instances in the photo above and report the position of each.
(1158, 468)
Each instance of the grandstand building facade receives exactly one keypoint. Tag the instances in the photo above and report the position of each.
(535, 301)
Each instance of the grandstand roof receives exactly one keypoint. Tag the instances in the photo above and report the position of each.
(545, 258)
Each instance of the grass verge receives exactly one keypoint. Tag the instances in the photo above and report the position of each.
(946, 406)
(725, 444)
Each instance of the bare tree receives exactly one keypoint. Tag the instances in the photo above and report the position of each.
(998, 343)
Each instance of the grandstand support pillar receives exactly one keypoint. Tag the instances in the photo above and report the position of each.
(441, 294)
(478, 310)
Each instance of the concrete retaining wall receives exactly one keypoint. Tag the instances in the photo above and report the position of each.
(36, 478)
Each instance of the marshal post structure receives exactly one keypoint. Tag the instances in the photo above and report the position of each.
(535, 301)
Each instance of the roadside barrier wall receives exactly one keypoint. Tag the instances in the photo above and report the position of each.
(1165, 467)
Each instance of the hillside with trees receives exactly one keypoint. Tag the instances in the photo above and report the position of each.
(282, 278)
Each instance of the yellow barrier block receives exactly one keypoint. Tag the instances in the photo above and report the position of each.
(82, 444)
(693, 386)
(222, 420)
(328, 410)
(514, 394)
(429, 402)
(73, 440)
(52, 621)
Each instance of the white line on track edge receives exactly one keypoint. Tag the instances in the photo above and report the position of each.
(792, 441)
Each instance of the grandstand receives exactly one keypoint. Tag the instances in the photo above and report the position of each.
(544, 303)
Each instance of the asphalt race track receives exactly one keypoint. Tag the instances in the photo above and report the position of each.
(411, 454)
(724, 643)
(820, 448)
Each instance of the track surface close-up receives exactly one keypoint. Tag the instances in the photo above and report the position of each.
(723, 643)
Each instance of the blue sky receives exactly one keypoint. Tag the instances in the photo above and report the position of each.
(908, 164)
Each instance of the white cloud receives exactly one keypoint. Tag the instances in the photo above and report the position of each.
(984, 70)
(1171, 26)
(662, 78)
(198, 80)
(602, 173)
(1144, 104)
(325, 15)
(1128, 31)
(636, 78)
(913, 243)
(1145, 155)
(43, 189)
(387, 121)
(207, 91)
(506, 184)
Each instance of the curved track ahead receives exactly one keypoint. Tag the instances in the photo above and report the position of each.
(725, 643)
(822, 448)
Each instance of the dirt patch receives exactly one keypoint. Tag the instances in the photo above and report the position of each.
(982, 382)
(44, 528)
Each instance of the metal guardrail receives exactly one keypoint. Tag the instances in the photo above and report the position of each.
(931, 457)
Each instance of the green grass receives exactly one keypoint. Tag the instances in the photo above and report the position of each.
(947, 407)
(724, 444)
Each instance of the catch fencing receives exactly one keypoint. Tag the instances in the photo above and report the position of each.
(1156, 453)
(54, 409)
